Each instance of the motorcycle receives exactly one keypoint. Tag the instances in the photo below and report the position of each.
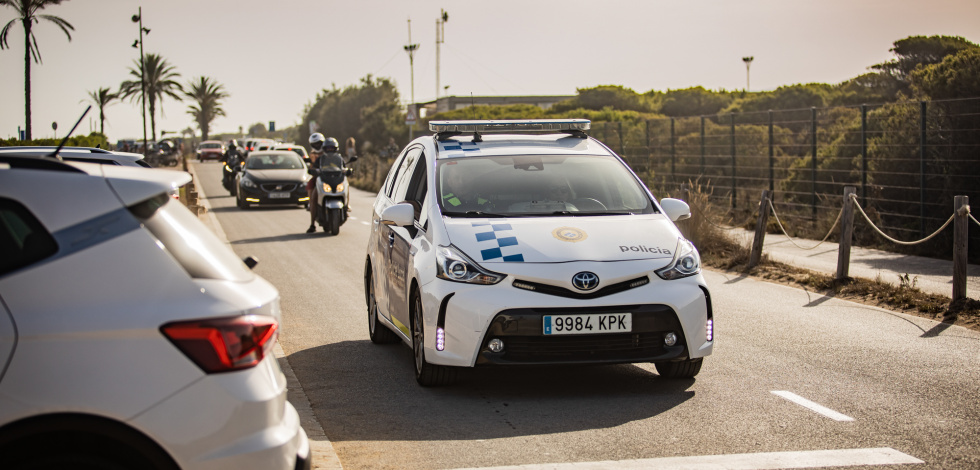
(332, 195)
(232, 165)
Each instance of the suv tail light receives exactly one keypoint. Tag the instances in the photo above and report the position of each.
(224, 344)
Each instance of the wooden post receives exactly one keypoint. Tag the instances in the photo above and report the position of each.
(846, 233)
(760, 230)
(961, 224)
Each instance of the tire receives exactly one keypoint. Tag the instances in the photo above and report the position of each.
(680, 369)
(333, 221)
(379, 333)
(426, 374)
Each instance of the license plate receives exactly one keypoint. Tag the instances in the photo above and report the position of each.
(282, 195)
(588, 324)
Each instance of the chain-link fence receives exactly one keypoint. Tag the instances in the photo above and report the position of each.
(908, 160)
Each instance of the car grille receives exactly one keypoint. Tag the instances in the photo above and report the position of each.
(525, 343)
(563, 292)
(584, 348)
(276, 187)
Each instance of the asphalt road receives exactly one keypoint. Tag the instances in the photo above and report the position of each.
(879, 388)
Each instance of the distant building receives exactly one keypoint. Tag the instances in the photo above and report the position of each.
(450, 103)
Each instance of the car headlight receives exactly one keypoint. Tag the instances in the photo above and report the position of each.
(453, 265)
(248, 183)
(686, 262)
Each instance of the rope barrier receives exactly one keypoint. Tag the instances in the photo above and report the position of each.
(974, 220)
(780, 224)
(861, 210)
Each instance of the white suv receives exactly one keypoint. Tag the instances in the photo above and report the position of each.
(130, 336)
(529, 242)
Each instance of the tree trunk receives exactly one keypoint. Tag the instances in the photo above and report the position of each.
(153, 120)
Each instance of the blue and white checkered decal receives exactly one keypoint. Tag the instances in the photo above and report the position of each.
(497, 246)
(464, 146)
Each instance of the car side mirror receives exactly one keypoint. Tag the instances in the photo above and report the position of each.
(675, 209)
(401, 215)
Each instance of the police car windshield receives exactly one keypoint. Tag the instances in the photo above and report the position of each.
(538, 185)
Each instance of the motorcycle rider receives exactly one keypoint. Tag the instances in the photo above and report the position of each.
(320, 145)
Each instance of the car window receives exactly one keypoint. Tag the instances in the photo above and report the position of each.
(286, 161)
(23, 240)
(390, 179)
(189, 241)
(536, 185)
(403, 174)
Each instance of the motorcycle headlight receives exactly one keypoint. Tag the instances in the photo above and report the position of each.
(327, 188)
(248, 183)
(227, 168)
(453, 265)
(686, 262)
(340, 187)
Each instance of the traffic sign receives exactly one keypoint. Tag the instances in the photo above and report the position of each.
(411, 115)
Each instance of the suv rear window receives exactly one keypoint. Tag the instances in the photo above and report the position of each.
(23, 240)
(189, 241)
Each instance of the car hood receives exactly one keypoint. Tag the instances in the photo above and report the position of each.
(277, 175)
(564, 239)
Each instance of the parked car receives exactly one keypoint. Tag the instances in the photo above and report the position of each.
(130, 336)
(81, 154)
(253, 144)
(272, 177)
(210, 150)
(495, 245)
(299, 149)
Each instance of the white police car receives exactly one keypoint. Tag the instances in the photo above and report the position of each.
(529, 242)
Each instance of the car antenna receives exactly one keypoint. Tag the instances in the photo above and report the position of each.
(72, 131)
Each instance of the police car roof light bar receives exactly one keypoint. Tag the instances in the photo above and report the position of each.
(445, 129)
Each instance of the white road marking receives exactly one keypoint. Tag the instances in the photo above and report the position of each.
(813, 406)
(365, 223)
(761, 461)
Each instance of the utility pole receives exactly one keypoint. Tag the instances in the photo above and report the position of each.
(440, 38)
(748, 61)
(410, 49)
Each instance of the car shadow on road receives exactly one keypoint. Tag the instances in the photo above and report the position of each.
(366, 392)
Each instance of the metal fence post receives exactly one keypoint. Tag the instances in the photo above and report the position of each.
(961, 234)
(772, 157)
(673, 152)
(760, 230)
(813, 161)
(731, 117)
(864, 155)
(846, 233)
(702, 145)
(922, 168)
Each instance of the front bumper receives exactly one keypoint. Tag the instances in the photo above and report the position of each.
(471, 315)
(262, 193)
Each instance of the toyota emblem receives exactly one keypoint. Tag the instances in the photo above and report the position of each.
(585, 280)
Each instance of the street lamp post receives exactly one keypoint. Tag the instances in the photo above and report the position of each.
(138, 18)
(410, 49)
(748, 61)
(440, 38)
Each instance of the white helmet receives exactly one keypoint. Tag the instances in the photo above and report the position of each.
(316, 140)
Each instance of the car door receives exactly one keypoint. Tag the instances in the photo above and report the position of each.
(400, 240)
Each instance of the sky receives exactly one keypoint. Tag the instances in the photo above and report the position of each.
(273, 58)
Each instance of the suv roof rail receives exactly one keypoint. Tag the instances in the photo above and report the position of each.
(446, 129)
(52, 147)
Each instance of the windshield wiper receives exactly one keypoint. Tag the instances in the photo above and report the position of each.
(477, 214)
(586, 213)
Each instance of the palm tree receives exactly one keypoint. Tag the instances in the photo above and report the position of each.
(102, 98)
(207, 95)
(27, 9)
(160, 82)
